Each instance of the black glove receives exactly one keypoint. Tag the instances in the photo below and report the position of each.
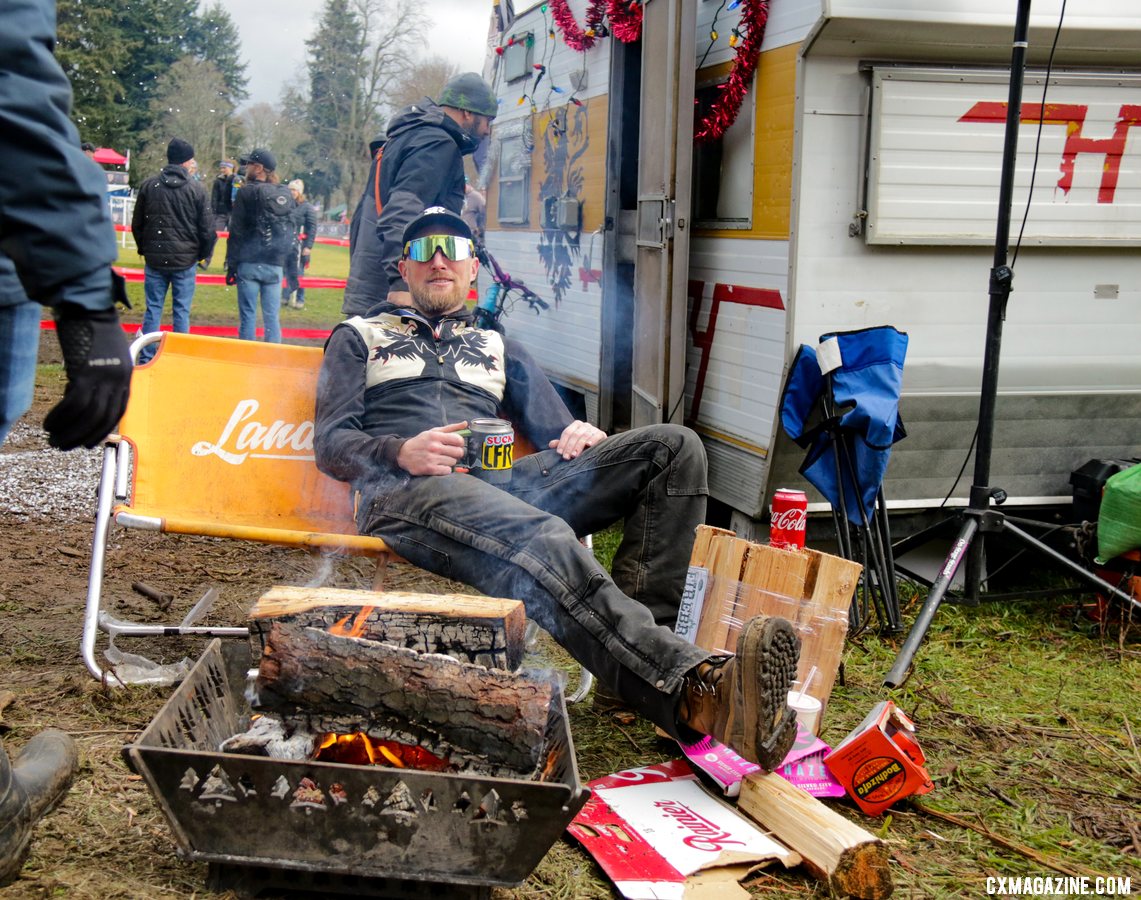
(231, 276)
(98, 363)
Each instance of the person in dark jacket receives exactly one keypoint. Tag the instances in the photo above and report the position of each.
(423, 165)
(174, 230)
(261, 234)
(57, 244)
(222, 195)
(366, 269)
(396, 390)
(304, 219)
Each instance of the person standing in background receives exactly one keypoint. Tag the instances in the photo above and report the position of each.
(367, 284)
(261, 232)
(424, 166)
(174, 230)
(474, 211)
(304, 234)
(222, 195)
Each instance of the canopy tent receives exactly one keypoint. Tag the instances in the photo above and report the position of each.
(105, 156)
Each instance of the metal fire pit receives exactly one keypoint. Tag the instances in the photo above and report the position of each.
(357, 821)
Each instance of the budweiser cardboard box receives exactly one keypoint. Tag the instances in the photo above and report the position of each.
(660, 835)
(880, 762)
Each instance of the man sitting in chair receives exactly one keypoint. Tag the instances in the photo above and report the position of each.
(395, 392)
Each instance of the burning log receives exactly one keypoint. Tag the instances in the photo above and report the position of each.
(481, 719)
(485, 631)
(853, 862)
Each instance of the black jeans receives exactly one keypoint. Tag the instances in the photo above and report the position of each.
(522, 541)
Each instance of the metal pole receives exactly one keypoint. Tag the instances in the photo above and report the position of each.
(1001, 278)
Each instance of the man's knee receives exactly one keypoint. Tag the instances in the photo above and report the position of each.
(687, 463)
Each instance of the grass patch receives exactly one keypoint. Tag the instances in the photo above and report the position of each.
(217, 304)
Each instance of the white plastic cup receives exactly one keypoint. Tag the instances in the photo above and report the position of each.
(807, 709)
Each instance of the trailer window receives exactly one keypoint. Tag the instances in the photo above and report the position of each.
(514, 169)
(723, 169)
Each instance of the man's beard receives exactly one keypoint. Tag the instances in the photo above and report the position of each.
(438, 302)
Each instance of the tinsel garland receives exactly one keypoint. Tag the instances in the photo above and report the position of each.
(577, 38)
(625, 19)
(754, 16)
(625, 22)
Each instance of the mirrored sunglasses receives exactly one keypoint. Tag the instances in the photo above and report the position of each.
(424, 248)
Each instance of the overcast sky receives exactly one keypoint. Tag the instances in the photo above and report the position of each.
(273, 37)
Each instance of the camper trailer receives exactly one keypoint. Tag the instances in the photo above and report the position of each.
(855, 186)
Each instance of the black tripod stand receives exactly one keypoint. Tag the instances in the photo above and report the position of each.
(979, 518)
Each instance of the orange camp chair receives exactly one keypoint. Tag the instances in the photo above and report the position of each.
(217, 440)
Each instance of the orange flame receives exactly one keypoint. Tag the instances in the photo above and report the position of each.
(341, 628)
(358, 749)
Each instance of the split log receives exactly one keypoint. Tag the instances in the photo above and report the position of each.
(485, 631)
(702, 543)
(725, 561)
(852, 861)
(457, 711)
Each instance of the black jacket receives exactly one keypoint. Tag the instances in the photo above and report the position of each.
(172, 222)
(422, 166)
(222, 195)
(250, 242)
(367, 284)
(304, 219)
(387, 377)
(63, 249)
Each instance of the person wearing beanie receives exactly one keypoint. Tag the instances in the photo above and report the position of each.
(423, 166)
(173, 228)
(179, 152)
(261, 234)
(304, 219)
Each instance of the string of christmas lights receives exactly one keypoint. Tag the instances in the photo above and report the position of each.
(746, 39)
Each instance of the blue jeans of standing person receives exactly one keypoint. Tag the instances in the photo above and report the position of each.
(155, 284)
(522, 541)
(254, 280)
(19, 347)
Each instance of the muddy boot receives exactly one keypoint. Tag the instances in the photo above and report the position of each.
(742, 700)
(30, 786)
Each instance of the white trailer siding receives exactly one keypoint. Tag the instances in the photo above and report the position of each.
(1070, 379)
(564, 338)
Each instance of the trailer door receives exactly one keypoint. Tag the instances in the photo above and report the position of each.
(664, 157)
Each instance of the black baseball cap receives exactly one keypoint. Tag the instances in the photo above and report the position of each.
(433, 217)
(263, 158)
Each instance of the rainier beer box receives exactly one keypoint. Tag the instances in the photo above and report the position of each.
(880, 762)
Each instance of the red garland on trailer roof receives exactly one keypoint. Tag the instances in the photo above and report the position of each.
(625, 18)
(754, 17)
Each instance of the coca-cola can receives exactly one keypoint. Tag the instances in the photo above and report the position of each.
(789, 519)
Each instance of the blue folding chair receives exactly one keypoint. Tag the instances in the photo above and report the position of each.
(841, 404)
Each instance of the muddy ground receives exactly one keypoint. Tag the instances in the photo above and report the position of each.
(1042, 766)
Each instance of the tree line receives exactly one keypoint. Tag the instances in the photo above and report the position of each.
(145, 71)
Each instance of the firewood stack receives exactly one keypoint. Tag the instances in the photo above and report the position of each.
(431, 671)
(813, 590)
